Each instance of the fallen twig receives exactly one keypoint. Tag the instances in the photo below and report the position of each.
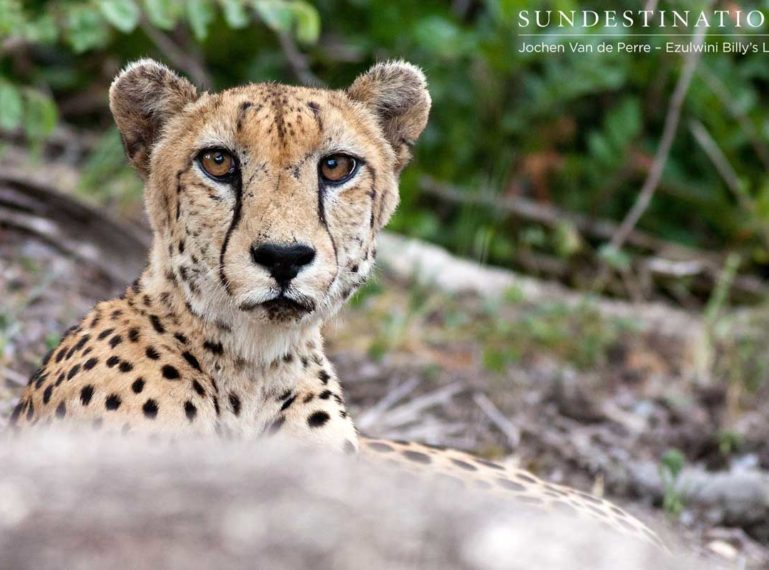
(507, 427)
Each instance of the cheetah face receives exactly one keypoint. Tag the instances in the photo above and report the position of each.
(266, 199)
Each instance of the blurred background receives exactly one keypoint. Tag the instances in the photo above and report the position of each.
(610, 330)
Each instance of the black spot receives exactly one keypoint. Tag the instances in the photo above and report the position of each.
(81, 343)
(181, 338)
(276, 425)
(61, 410)
(284, 395)
(151, 353)
(288, 403)
(318, 419)
(90, 363)
(324, 376)
(464, 465)
(169, 372)
(72, 371)
(234, 403)
(525, 477)
(198, 388)
(112, 361)
(47, 357)
(112, 402)
(137, 386)
(105, 333)
(490, 464)
(381, 447)
(288, 358)
(150, 408)
(133, 335)
(216, 405)
(61, 353)
(35, 376)
(156, 324)
(181, 246)
(215, 347)
(47, 394)
(115, 340)
(40, 380)
(417, 456)
(190, 410)
(16, 413)
(126, 366)
(70, 352)
(59, 379)
(308, 398)
(510, 485)
(115, 314)
(325, 395)
(86, 394)
(192, 361)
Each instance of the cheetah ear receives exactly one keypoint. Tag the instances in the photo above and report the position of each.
(142, 98)
(396, 92)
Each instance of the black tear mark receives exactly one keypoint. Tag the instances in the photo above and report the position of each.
(324, 223)
(238, 188)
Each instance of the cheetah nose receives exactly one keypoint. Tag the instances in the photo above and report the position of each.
(283, 262)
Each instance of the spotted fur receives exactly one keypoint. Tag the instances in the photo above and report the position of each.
(206, 341)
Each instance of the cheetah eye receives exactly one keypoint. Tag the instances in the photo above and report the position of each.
(218, 163)
(337, 168)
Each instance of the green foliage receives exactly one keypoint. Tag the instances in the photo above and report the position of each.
(579, 335)
(671, 465)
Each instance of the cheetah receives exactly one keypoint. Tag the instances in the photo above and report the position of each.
(265, 202)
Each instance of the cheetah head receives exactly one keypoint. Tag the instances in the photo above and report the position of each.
(265, 200)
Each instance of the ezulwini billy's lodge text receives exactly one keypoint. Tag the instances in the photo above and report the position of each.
(740, 48)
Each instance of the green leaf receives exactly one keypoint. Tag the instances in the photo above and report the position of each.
(277, 15)
(42, 31)
(10, 107)
(123, 14)
(235, 13)
(162, 13)
(40, 114)
(307, 22)
(86, 29)
(614, 258)
(200, 14)
(11, 17)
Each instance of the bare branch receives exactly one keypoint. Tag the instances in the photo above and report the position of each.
(666, 142)
(507, 427)
(178, 56)
(297, 61)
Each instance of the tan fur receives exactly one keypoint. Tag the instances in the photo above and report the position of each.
(191, 346)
